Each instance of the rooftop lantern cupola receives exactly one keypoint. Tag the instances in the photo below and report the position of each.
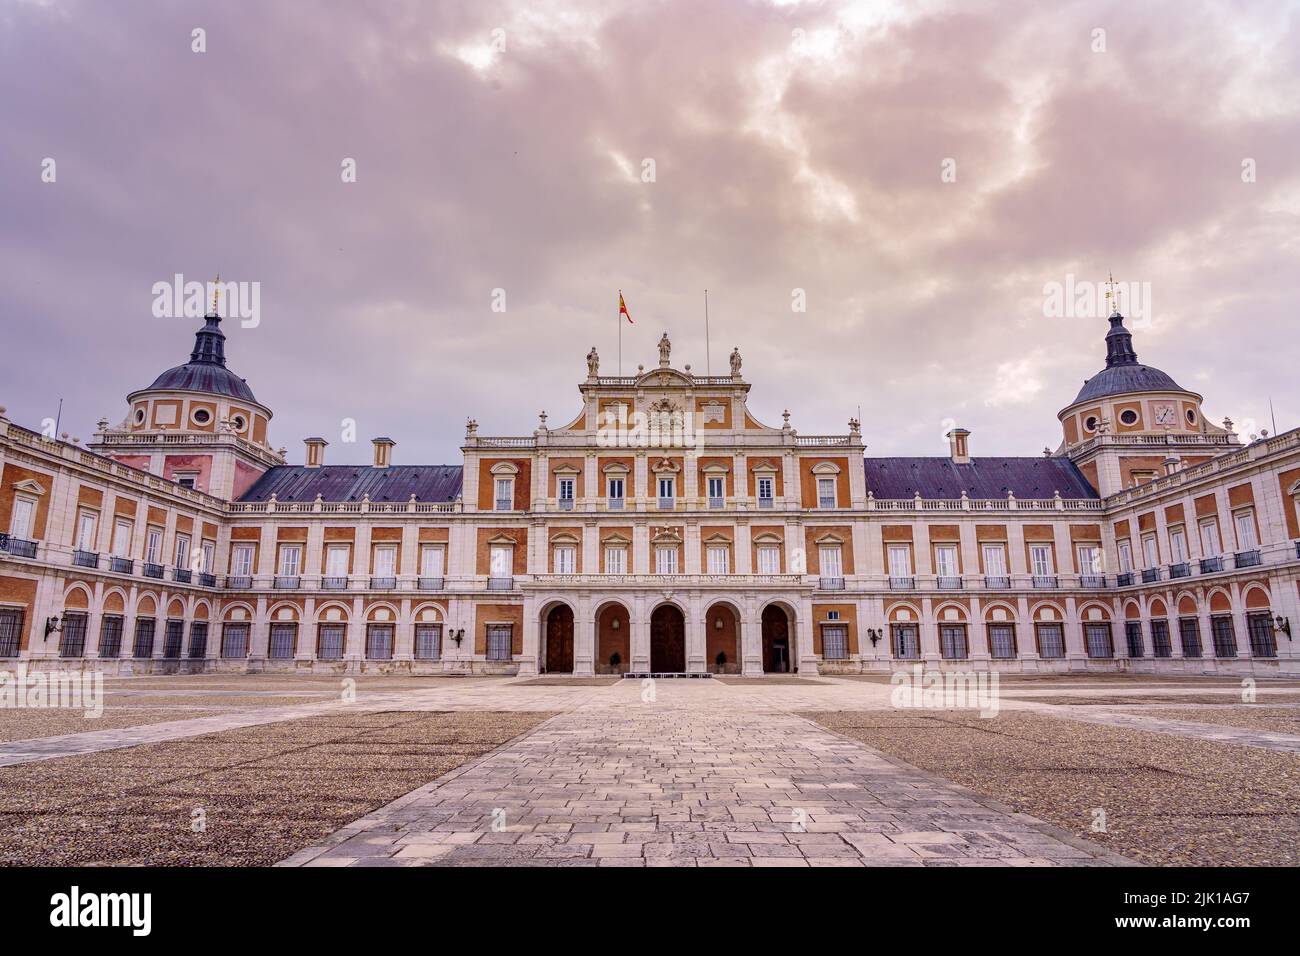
(1119, 343)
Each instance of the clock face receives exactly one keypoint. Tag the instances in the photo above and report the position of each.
(1164, 414)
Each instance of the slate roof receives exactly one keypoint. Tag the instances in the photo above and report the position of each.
(982, 478)
(1126, 378)
(428, 483)
(202, 377)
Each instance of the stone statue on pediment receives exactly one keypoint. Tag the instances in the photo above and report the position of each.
(593, 362)
(665, 349)
(735, 362)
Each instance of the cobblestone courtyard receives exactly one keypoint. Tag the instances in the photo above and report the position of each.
(701, 772)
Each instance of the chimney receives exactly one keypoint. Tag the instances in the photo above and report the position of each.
(959, 446)
(383, 451)
(315, 451)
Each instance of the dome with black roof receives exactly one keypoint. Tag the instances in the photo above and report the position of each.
(206, 370)
(1123, 373)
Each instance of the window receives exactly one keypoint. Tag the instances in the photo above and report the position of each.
(1225, 638)
(186, 479)
(1133, 637)
(616, 560)
(198, 640)
(122, 538)
(907, 642)
(952, 641)
(667, 492)
(564, 492)
(379, 642)
(505, 494)
(1210, 544)
(1160, 645)
(428, 642)
(835, 642)
(1090, 560)
(719, 559)
(1178, 545)
(826, 493)
(86, 525)
(234, 641)
(565, 560)
(995, 561)
(1051, 641)
(1126, 557)
(717, 491)
(72, 639)
(336, 561)
(173, 635)
(432, 560)
(209, 557)
(501, 559)
(1150, 554)
(20, 522)
(766, 484)
(1260, 627)
(831, 561)
(284, 637)
(614, 492)
(769, 559)
(900, 561)
(666, 560)
(1128, 416)
(11, 631)
(144, 632)
(1002, 641)
(1189, 632)
(1244, 522)
(385, 561)
(241, 560)
(945, 560)
(330, 640)
(110, 636)
(182, 551)
(153, 546)
(498, 642)
(290, 560)
(1040, 557)
(1096, 637)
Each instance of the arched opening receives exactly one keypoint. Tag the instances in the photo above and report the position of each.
(558, 637)
(778, 657)
(722, 640)
(613, 639)
(667, 640)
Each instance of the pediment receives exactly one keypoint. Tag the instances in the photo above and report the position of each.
(665, 378)
(29, 486)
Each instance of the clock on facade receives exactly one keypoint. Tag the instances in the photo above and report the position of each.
(1164, 414)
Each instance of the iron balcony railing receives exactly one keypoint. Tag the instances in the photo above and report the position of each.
(18, 547)
(287, 582)
(429, 584)
(85, 559)
(383, 583)
(948, 582)
(501, 584)
(717, 503)
(1211, 565)
(504, 504)
(901, 583)
(766, 502)
(121, 565)
(1248, 559)
(182, 575)
(239, 582)
(207, 580)
(614, 504)
(1093, 581)
(565, 504)
(831, 584)
(1150, 575)
(334, 583)
(1180, 570)
(1045, 580)
(151, 570)
(667, 504)
(997, 581)
(1124, 580)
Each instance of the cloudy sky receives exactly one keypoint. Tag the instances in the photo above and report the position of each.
(920, 171)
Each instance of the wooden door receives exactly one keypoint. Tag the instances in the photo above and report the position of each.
(559, 641)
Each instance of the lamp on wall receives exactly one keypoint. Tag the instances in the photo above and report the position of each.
(874, 634)
(717, 623)
(1282, 624)
(52, 625)
(615, 624)
(457, 636)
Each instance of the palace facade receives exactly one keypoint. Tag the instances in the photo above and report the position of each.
(663, 529)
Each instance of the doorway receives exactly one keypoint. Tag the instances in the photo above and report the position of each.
(559, 640)
(667, 640)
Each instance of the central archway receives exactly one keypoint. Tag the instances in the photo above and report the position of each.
(778, 656)
(559, 640)
(667, 640)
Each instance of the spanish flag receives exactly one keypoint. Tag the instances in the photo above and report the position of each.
(622, 309)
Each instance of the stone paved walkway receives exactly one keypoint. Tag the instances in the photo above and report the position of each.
(701, 776)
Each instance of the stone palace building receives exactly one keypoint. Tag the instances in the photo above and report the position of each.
(663, 529)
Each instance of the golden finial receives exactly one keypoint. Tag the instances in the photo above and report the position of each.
(216, 290)
(1112, 297)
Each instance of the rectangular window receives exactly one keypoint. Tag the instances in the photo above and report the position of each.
(1160, 644)
(564, 488)
(11, 631)
(1225, 637)
(241, 560)
(122, 538)
(717, 491)
(1125, 557)
(1178, 546)
(1150, 554)
(501, 561)
(1051, 641)
(428, 642)
(498, 642)
(830, 559)
(1040, 558)
(336, 561)
(616, 560)
(385, 561)
(1189, 632)
(72, 639)
(566, 559)
(766, 486)
(290, 560)
(719, 559)
(432, 560)
(835, 642)
(1210, 544)
(1133, 637)
(1002, 641)
(144, 632)
(379, 642)
(769, 559)
(86, 524)
(209, 556)
(20, 522)
(330, 639)
(1262, 642)
(183, 551)
(665, 560)
(667, 492)
(1089, 560)
(153, 545)
(826, 493)
(952, 641)
(234, 641)
(1247, 540)
(945, 560)
(505, 494)
(907, 642)
(198, 640)
(614, 491)
(173, 635)
(995, 561)
(110, 636)
(1097, 642)
(284, 638)
(900, 561)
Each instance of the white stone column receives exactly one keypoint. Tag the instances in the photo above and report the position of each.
(805, 658)
(696, 635)
(584, 638)
(639, 637)
(751, 639)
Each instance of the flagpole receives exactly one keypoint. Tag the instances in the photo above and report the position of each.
(618, 317)
(708, 366)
